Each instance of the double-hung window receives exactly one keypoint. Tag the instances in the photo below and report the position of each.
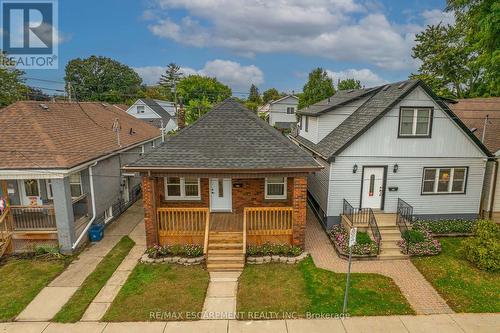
(75, 184)
(140, 108)
(275, 188)
(290, 110)
(182, 188)
(444, 180)
(415, 122)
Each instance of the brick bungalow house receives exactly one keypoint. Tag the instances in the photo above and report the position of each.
(226, 181)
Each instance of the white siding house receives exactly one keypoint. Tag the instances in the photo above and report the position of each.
(282, 111)
(390, 142)
(158, 113)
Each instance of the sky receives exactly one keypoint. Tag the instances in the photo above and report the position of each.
(269, 43)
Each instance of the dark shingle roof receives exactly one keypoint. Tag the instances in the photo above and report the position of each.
(340, 98)
(228, 137)
(156, 108)
(381, 100)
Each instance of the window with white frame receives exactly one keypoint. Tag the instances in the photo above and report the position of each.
(182, 188)
(415, 122)
(444, 180)
(290, 110)
(140, 108)
(75, 184)
(275, 188)
(50, 193)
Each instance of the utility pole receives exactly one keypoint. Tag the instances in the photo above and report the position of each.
(69, 91)
(484, 128)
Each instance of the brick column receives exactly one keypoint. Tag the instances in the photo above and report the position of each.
(299, 210)
(149, 202)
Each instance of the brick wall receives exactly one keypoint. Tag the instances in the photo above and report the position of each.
(149, 203)
(252, 194)
(204, 202)
(299, 210)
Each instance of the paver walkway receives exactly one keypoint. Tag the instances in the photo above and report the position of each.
(445, 323)
(423, 298)
(105, 297)
(51, 299)
(220, 302)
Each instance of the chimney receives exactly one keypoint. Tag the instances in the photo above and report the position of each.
(181, 116)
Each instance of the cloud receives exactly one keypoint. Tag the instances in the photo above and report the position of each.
(436, 16)
(235, 75)
(334, 29)
(366, 76)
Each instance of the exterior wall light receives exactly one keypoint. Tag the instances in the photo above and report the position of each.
(395, 168)
(354, 168)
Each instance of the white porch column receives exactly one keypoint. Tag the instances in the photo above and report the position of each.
(64, 214)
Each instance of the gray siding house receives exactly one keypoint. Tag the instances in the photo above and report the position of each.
(161, 114)
(397, 141)
(61, 169)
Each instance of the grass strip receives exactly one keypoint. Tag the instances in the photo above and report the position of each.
(74, 309)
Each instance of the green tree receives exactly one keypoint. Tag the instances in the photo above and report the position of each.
(197, 108)
(12, 84)
(318, 87)
(99, 78)
(349, 84)
(170, 79)
(254, 95)
(270, 95)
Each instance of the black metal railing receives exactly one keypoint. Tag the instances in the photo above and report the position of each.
(363, 217)
(119, 206)
(372, 223)
(404, 217)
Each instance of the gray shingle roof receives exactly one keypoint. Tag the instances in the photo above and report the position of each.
(156, 108)
(228, 137)
(381, 100)
(340, 98)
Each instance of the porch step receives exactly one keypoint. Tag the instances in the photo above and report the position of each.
(226, 260)
(391, 237)
(387, 227)
(225, 245)
(389, 245)
(225, 252)
(225, 267)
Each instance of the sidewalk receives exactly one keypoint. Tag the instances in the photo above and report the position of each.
(52, 298)
(473, 323)
(423, 298)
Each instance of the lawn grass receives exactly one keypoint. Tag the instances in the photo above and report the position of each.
(304, 288)
(464, 287)
(22, 279)
(74, 309)
(160, 288)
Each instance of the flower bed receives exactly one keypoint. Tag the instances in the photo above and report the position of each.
(419, 242)
(448, 227)
(271, 252)
(188, 254)
(365, 246)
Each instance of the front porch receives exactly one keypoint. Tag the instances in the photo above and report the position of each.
(251, 216)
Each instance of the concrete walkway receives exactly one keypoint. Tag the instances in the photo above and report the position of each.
(422, 297)
(52, 298)
(105, 297)
(220, 302)
(446, 323)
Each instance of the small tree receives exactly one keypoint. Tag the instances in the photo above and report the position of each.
(254, 95)
(349, 84)
(12, 87)
(170, 79)
(270, 95)
(319, 86)
(483, 250)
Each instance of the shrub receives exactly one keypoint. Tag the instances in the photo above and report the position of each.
(363, 238)
(175, 250)
(340, 237)
(483, 250)
(187, 250)
(273, 249)
(413, 236)
(47, 251)
(193, 250)
(448, 226)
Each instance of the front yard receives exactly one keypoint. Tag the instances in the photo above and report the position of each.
(303, 288)
(464, 287)
(22, 279)
(175, 291)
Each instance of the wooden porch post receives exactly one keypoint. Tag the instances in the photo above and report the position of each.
(149, 203)
(299, 210)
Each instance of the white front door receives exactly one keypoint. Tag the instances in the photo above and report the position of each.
(29, 191)
(373, 191)
(220, 195)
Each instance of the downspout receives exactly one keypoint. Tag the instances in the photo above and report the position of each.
(84, 232)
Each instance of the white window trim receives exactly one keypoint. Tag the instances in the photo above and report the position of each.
(450, 182)
(79, 183)
(183, 191)
(414, 122)
(306, 126)
(291, 108)
(271, 197)
(48, 184)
